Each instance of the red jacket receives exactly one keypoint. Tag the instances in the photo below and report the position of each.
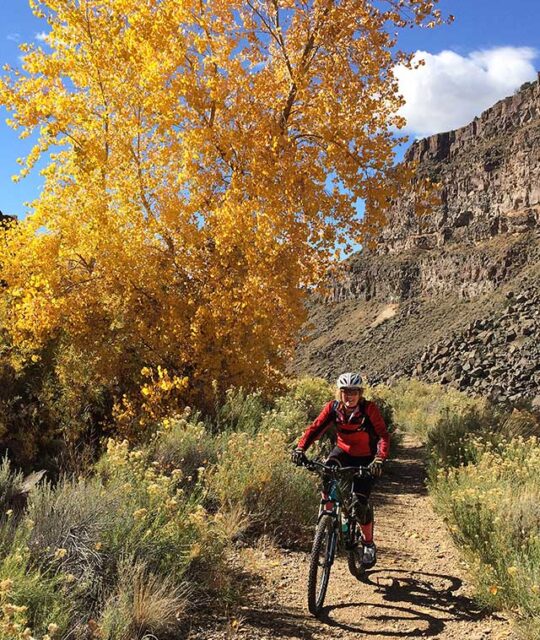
(364, 433)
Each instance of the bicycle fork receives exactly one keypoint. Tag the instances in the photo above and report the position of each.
(344, 524)
(330, 506)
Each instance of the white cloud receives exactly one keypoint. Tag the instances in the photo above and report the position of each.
(13, 37)
(41, 36)
(451, 89)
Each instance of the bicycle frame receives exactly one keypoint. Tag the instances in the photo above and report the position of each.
(337, 502)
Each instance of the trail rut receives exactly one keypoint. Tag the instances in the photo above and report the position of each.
(418, 589)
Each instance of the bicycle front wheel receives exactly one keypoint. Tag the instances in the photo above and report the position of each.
(322, 557)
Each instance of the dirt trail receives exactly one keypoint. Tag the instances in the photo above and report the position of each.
(417, 589)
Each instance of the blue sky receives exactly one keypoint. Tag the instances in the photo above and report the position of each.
(490, 50)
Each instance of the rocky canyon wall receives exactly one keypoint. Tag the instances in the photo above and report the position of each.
(480, 234)
(453, 296)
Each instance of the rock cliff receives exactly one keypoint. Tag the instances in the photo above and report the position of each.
(425, 301)
(490, 175)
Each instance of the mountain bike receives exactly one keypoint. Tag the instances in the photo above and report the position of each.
(335, 524)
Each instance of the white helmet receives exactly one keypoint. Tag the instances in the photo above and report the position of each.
(349, 381)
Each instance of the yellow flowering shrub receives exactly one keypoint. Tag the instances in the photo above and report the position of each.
(255, 473)
(31, 603)
(492, 507)
(168, 524)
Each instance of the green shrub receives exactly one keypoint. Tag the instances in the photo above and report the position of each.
(418, 406)
(184, 443)
(298, 407)
(255, 474)
(452, 441)
(42, 592)
(493, 513)
(66, 557)
(71, 522)
(310, 394)
(288, 416)
(241, 411)
(387, 412)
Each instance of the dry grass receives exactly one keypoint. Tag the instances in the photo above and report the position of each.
(144, 603)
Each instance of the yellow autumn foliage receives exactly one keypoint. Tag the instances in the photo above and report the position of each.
(205, 159)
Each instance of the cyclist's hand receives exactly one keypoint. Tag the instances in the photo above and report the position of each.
(376, 467)
(298, 457)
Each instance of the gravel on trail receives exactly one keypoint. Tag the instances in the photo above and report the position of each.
(418, 589)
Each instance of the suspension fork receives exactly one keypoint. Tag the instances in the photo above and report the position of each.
(331, 506)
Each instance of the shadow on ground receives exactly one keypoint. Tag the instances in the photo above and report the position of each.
(414, 604)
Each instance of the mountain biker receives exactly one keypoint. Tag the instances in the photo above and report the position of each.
(362, 440)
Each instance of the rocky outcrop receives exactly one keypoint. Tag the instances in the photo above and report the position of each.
(463, 282)
(489, 172)
(494, 356)
(409, 274)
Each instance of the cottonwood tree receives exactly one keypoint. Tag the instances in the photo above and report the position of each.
(203, 159)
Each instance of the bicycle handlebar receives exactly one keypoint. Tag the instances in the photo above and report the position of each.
(318, 467)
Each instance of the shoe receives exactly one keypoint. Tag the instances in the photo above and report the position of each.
(369, 557)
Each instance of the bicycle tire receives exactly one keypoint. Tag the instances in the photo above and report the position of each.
(354, 560)
(355, 556)
(325, 540)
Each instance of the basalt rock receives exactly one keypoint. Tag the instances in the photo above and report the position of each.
(453, 296)
(490, 177)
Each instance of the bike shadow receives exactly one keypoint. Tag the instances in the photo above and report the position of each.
(280, 622)
(431, 598)
(429, 590)
(383, 620)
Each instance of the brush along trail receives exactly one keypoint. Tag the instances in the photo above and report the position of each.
(418, 589)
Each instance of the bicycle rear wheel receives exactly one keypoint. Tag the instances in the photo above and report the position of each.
(355, 554)
(322, 557)
(354, 559)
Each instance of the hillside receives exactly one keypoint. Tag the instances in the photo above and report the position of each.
(453, 296)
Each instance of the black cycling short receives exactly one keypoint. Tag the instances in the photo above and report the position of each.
(340, 458)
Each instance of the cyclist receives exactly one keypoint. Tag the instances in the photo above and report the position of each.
(362, 440)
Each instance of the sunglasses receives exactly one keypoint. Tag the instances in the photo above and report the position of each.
(351, 392)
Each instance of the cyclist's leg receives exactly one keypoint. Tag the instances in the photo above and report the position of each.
(363, 512)
(363, 509)
(364, 516)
